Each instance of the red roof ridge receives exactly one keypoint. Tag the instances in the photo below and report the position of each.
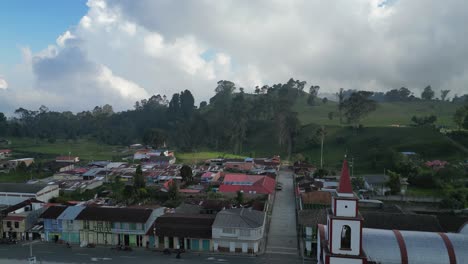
(345, 181)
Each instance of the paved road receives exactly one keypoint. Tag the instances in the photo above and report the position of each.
(282, 236)
(51, 253)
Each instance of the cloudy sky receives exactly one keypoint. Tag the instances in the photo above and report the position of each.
(74, 55)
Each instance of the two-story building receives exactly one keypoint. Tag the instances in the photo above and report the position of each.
(116, 226)
(53, 225)
(238, 230)
(18, 219)
(70, 226)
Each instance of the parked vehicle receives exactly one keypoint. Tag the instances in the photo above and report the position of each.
(91, 245)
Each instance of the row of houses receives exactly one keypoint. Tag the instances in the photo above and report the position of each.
(231, 230)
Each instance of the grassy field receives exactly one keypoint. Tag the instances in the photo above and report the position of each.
(387, 114)
(85, 149)
(196, 157)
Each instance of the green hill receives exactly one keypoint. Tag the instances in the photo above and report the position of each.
(387, 113)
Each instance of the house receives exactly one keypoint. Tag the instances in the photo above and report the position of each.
(67, 159)
(248, 184)
(209, 176)
(239, 164)
(70, 227)
(14, 193)
(161, 160)
(238, 230)
(57, 167)
(377, 183)
(17, 220)
(12, 164)
(182, 231)
(5, 153)
(52, 225)
(116, 226)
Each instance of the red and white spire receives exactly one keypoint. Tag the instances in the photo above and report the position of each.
(345, 188)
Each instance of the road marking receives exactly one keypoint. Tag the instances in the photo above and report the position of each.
(281, 253)
(282, 247)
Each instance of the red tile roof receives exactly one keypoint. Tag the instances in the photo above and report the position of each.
(260, 184)
(345, 181)
(5, 150)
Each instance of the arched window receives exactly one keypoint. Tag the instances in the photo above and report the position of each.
(345, 237)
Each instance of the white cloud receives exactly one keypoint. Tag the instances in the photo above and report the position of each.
(64, 37)
(124, 50)
(3, 83)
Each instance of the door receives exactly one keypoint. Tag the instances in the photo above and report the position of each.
(232, 246)
(206, 245)
(244, 247)
(195, 245)
(126, 240)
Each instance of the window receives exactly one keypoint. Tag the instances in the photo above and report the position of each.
(346, 238)
(8, 224)
(229, 230)
(16, 224)
(86, 224)
(139, 226)
(132, 226)
(116, 225)
(99, 225)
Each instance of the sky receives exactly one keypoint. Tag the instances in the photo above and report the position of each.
(74, 55)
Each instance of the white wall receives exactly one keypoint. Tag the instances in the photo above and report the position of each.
(47, 193)
(346, 208)
(345, 261)
(337, 226)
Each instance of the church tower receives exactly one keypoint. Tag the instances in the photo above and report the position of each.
(344, 225)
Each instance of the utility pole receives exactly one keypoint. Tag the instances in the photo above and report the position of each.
(352, 166)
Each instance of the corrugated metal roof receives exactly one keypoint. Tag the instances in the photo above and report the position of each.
(382, 246)
(71, 213)
(239, 218)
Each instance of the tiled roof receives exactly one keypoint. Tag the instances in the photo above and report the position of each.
(345, 181)
(53, 212)
(316, 197)
(260, 184)
(115, 214)
(184, 225)
(21, 187)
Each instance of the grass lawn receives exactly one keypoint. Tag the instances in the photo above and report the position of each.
(369, 146)
(43, 150)
(386, 114)
(195, 157)
(424, 192)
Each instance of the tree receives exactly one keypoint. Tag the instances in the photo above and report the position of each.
(460, 116)
(3, 124)
(330, 115)
(424, 120)
(443, 94)
(394, 182)
(154, 137)
(186, 173)
(341, 98)
(203, 104)
(358, 183)
(357, 106)
(313, 92)
(240, 197)
(173, 192)
(428, 93)
(187, 104)
(138, 179)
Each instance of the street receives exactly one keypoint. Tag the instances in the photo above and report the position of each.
(52, 253)
(282, 236)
